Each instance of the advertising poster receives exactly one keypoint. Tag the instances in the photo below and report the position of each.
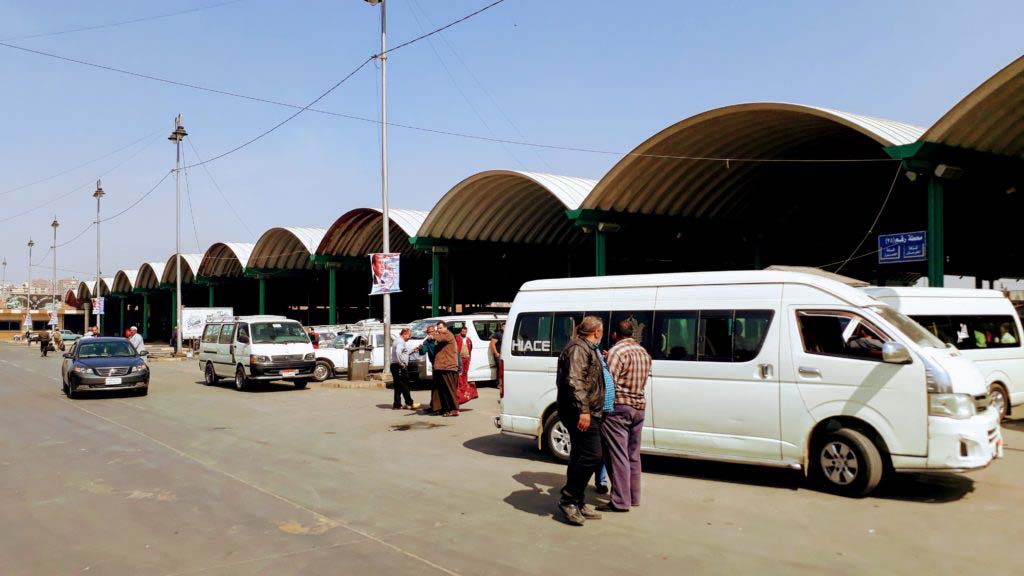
(384, 270)
(194, 320)
(97, 306)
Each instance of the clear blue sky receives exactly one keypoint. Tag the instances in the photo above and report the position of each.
(597, 74)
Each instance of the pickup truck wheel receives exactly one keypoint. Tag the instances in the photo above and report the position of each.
(847, 463)
(556, 438)
(322, 371)
(241, 382)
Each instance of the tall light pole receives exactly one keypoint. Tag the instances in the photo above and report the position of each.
(386, 244)
(96, 289)
(177, 136)
(54, 225)
(28, 297)
(3, 282)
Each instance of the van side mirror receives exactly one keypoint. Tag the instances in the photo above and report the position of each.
(895, 353)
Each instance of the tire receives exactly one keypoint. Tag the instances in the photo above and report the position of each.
(556, 438)
(300, 384)
(64, 386)
(1000, 400)
(322, 371)
(241, 382)
(847, 463)
(210, 375)
(70, 391)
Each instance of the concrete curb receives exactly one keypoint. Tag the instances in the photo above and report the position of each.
(340, 384)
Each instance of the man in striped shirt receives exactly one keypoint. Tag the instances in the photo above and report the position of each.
(629, 365)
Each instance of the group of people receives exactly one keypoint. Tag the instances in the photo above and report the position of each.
(132, 334)
(449, 355)
(601, 402)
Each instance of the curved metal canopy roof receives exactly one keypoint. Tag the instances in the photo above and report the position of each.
(989, 119)
(225, 259)
(85, 289)
(508, 206)
(124, 281)
(286, 248)
(358, 232)
(654, 180)
(105, 286)
(190, 262)
(149, 275)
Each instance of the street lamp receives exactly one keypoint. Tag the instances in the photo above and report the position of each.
(3, 282)
(177, 136)
(28, 297)
(96, 289)
(54, 225)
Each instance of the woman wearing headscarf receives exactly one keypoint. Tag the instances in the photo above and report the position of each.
(466, 390)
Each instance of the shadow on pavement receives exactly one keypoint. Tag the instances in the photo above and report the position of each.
(541, 496)
(258, 387)
(1016, 425)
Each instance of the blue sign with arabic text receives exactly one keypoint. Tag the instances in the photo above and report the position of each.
(902, 247)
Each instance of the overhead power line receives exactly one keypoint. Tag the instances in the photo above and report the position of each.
(120, 22)
(216, 186)
(140, 198)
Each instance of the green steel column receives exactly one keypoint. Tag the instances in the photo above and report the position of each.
(210, 287)
(435, 275)
(600, 254)
(174, 309)
(263, 295)
(122, 299)
(332, 296)
(145, 315)
(936, 232)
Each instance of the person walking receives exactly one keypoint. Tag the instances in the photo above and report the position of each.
(580, 382)
(174, 340)
(314, 338)
(629, 365)
(400, 372)
(58, 341)
(44, 342)
(446, 372)
(136, 340)
(467, 390)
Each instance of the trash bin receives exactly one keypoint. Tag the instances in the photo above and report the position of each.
(358, 363)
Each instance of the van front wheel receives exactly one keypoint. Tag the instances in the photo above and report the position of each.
(556, 438)
(848, 463)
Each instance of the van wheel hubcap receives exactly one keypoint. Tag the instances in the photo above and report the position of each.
(839, 463)
(560, 439)
(998, 400)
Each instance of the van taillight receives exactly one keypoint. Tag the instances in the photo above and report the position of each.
(501, 378)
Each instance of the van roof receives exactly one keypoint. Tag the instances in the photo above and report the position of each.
(254, 318)
(921, 292)
(852, 295)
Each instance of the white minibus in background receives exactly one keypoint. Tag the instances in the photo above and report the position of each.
(982, 324)
(761, 367)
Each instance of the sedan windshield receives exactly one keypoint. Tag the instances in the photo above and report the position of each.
(278, 333)
(113, 349)
(419, 329)
(911, 329)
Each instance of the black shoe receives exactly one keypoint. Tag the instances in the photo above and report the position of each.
(603, 488)
(589, 513)
(572, 513)
(610, 508)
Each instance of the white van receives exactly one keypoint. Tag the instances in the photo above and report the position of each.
(480, 328)
(250, 348)
(762, 367)
(982, 324)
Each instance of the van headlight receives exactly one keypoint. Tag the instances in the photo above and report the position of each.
(309, 356)
(959, 406)
(256, 359)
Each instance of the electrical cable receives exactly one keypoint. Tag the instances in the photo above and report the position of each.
(878, 216)
(140, 198)
(120, 23)
(191, 213)
(217, 187)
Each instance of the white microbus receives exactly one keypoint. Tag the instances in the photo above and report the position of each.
(982, 324)
(762, 367)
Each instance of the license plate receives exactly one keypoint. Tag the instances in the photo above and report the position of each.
(113, 382)
(289, 372)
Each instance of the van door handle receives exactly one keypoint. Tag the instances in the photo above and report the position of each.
(766, 371)
(809, 371)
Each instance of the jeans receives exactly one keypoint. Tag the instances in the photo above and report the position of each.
(621, 435)
(585, 458)
(400, 384)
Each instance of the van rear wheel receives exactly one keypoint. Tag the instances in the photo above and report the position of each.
(211, 374)
(556, 438)
(848, 463)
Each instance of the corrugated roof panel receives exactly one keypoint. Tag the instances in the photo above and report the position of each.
(190, 262)
(150, 275)
(124, 281)
(286, 248)
(225, 259)
(358, 232)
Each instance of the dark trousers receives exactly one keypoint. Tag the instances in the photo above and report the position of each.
(400, 383)
(445, 396)
(585, 457)
(621, 434)
(44, 346)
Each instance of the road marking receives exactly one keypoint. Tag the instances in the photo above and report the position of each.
(267, 557)
(318, 515)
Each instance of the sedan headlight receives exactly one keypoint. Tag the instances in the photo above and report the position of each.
(256, 359)
(81, 369)
(140, 368)
(309, 356)
(959, 406)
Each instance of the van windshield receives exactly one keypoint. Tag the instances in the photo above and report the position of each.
(419, 329)
(278, 333)
(909, 328)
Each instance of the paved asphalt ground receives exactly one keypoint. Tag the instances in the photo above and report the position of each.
(200, 480)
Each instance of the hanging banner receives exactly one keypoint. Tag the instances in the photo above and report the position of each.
(53, 318)
(384, 270)
(97, 306)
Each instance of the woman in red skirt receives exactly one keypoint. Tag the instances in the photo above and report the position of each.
(467, 390)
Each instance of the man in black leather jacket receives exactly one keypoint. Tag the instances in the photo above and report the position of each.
(581, 385)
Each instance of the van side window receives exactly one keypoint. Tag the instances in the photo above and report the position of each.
(564, 329)
(676, 336)
(710, 335)
(973, 332)
(749, 330)
(532, 335)
(225, 333)
(210, 333)
(714, 336)
(839, 333)
(486, 328)
(243, 330)
(642, 322)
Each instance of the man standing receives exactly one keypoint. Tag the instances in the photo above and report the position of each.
(446, 372)
(92, 332)
(496, 343)
(136, 340)
(44, 342)
(400, 372)
(629, 365)
(581, 389)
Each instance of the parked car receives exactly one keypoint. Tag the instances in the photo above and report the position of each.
(68, 336)
(482, 367)
(104, 364)
(256, 348)
(773, 368)
(332, 359)
(982, 324)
